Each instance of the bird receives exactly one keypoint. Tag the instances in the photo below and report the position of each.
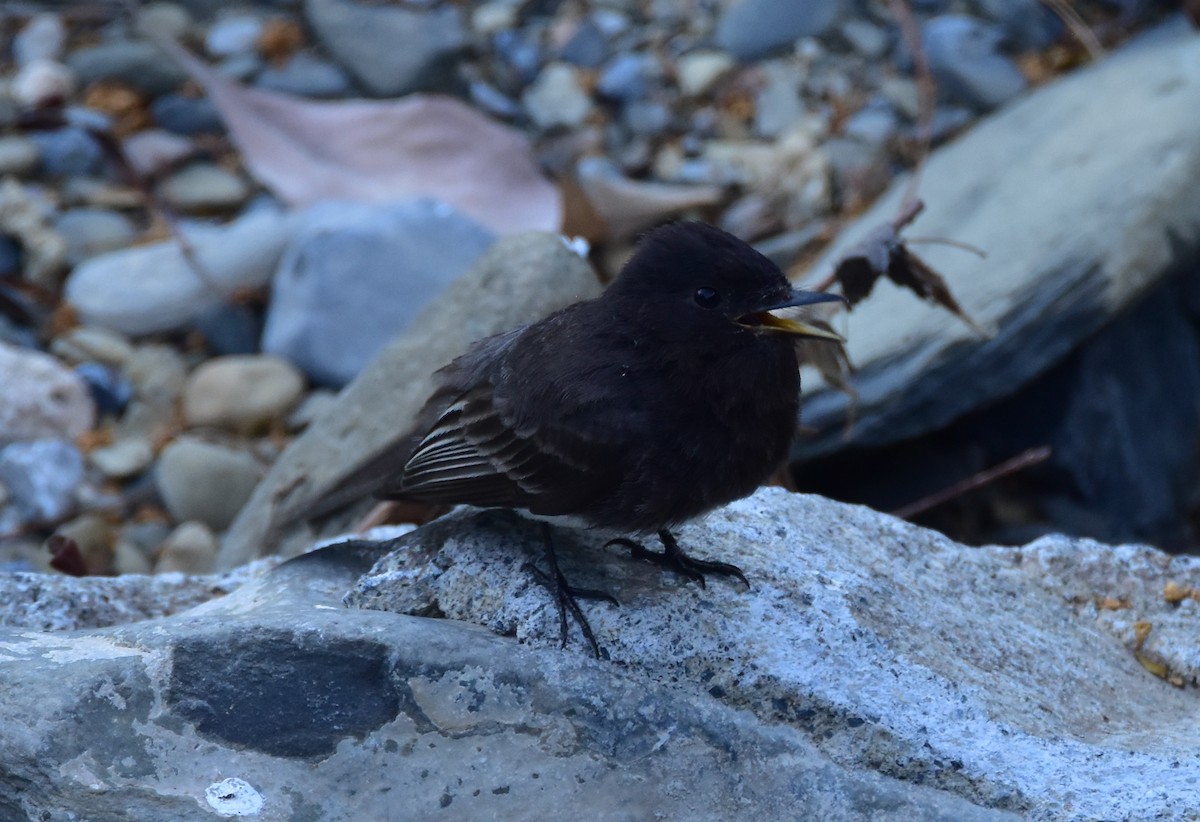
(674, 392)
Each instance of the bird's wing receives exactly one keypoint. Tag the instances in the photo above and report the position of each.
(474, 455)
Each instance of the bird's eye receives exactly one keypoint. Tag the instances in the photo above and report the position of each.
(706, 297)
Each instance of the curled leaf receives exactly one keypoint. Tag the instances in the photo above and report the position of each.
(375, 151)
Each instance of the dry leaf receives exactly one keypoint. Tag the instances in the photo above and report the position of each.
(627, 206)
(375, 151)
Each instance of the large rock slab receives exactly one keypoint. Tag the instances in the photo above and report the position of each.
(1083, 195)
(1013, 677)
(521, 279)
(874, 671)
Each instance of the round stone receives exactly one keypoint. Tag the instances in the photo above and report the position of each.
(242, 392)
(203, 481)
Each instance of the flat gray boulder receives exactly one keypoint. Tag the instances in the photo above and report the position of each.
(875, 670)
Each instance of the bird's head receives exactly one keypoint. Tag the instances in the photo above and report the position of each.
(710, 280)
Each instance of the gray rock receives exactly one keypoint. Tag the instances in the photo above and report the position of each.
(521, 279)
(557, 98)
(19, 155)
(875, 671)
(203, 187)
(41, 477)
(137, 64)
(161, 19)
(964, 57)
(307, 76)
(41, 399)
(152, 288)
(42, 82)
(749, 29)
(190, 549)
(89, 344)
(277, 699)
(699, 71)
(1036, 186)
(866, 38)
(123, 459)
(68, 152)
(588, 46)
(355, 275)
(92, 231)
(390, 50)
(187, 115)
(203, 481)
(778, 105)
(1027, 24)
(231, 328)
(53, 602)
(234, 34)
(243, 393)
(153, 150)
(42, 38)
(627, 77)
(886, 643)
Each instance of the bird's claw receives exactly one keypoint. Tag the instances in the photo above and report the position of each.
(674, 558)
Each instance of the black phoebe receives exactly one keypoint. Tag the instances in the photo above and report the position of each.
(673, 393)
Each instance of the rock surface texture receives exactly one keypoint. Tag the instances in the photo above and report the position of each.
(874, 671)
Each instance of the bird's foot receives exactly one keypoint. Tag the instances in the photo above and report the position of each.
(673, 557)
(566, 597)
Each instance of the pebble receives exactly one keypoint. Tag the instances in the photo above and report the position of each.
(778, 105)
(242, 67)
(627, 77)
(158, 373)
(151, 288)
(68, 152)
(137, 64)
(557, 98)
(646, 117)
(203, 481)
(492, 100)
(92, 231)
(306, 76)
(588, 47)
(41, 477)
(85, 343)
(230, 328)
(42, 82)
(963, 56)
(391, 50)
(111, 390)
(875, 123)
(95, 540)
(162, 20)
(243, 393)
(866, 38)
(699, 71)
(137, 542)
(749, 29)
(356, 274)
(41, 397)
(11, 256)
(190, 549)
(153, 150)
(42, 38)
(1026, 24)
(495, 16)
(183, 114)
(19, 155)
(202, 187)
(123, 459)
(235, 34)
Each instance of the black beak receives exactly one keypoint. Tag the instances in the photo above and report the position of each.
(765, 320)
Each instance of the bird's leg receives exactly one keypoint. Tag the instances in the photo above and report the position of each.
(565, 596)
(673, 557)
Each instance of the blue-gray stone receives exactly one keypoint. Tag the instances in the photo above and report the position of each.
(187, 115)
(354, 275)
(307, 76)
(137, 64)
(68, 152)
(588, 48)
(390, 50)
(626, 77)
(964, 56)
(750, 29)
(41, 477)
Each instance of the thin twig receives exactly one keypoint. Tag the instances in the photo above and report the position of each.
(926, 90)
(974, 249)
(1083, 33)
(1025, 459)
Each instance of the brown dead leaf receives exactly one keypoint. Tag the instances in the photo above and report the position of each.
(375, 151)
(883, 253)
